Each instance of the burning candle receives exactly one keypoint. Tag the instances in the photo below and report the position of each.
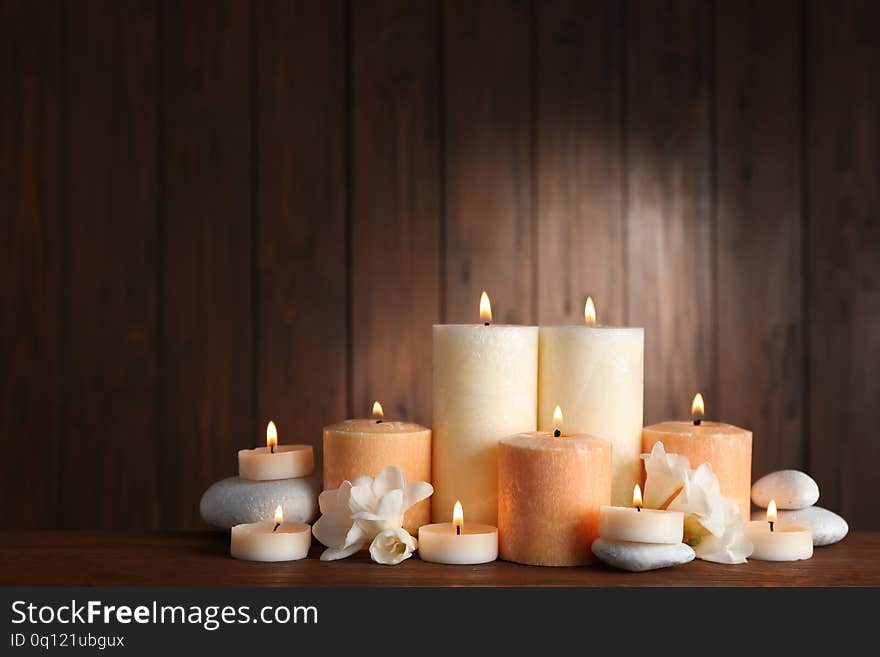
(457, 542)
(638, 525)
(728, 449)
(775, 542)
(271, 540)
(275, 461)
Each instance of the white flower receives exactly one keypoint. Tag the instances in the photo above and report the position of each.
(712, 524)
(355, 513)
(391, 546)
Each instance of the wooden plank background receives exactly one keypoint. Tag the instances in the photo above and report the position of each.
(219, 213)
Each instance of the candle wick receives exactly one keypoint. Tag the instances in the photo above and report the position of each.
(277, 525)
(698, 422)
(458, 530)
(378, 421)
(771, 525)
(272, 448)
(639, 509)
(485, 323)
(557, 433)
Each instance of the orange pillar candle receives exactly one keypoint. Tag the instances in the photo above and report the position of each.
(728, 449)
(550, 489)
(354, 448)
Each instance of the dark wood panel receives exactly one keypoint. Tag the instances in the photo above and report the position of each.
(843, 152)
(759, 265)
(301, 235)
(112, 201)
(580, 239)
(202, 559)
(206, 358)
(395, 220)
(488, 165)
(31, 189)
(668, 201)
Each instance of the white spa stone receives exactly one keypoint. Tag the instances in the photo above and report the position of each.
(827, 526)
(638, 557)
(792, 489)
(235, 501)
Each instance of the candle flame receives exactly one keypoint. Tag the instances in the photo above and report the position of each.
(279, 515)
(271, 435)
(378, 411)
(590, 312)
(698, 407)
(557, 418)
(485, 308)
(637, 497)
(771, 511)
(458, 515)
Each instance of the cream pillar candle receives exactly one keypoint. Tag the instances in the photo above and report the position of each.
(596, 373)
(550, 489)
(485, 389)
(458, 543)
(275, 461)
(638, 525)
(728, 449)
(774, 542)
(271, 540)
(364, 447)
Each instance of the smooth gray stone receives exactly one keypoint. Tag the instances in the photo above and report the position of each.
(827, 526)
(234, 501)
(792, 489)
(638, 557)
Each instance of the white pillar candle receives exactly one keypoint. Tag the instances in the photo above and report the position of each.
(271, 540)
(596, 373)
(275, 461)
(485, 389)
(638, 525)
(458, 543)
(774, 542)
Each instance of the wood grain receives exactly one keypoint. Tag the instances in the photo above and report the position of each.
(301, 277)
(31, 258)
(580, 239)
(843, 110)
(112, 199)
(669, 201)
(57, 558)
(488, 163)
(395, 223)
(207, 344)
(759, 243)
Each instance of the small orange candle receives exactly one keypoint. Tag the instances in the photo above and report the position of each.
(728, 449)
(551, 486)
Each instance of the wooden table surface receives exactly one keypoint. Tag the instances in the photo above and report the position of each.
(102, 558)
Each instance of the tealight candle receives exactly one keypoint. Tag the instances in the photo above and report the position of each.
(779, 542)
(727, 448)
(638, 525)
(271, 540)
(275, 461)
(457, 543)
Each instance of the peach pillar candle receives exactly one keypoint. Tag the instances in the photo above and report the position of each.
(354, 448)
(728, 449)
(275, 461)
(596, 373)
(774, 542)
(550, 490)
(458, 543)
(271, 540)
(485, 388)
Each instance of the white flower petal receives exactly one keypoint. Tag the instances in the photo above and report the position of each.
(666, 474)
(391, 478)
(333, 526)
(415, 493)
(731, 547)
(392, 546)
(332, 554)
(362, 499)
(363, 480)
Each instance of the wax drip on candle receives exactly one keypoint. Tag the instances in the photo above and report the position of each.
(698, 409)
(771, 513)
(485, 309)
(378, 412)
(271, 436)
(279, 517)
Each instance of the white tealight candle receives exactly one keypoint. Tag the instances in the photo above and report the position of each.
(638, 525)
(275, 461)
(271, 540)
(457, 543)
(779, 542)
